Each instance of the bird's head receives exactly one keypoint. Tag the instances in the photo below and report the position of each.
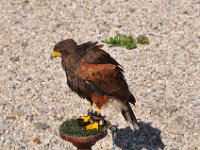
(64, 47)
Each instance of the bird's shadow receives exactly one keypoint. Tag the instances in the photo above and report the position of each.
(147, 137)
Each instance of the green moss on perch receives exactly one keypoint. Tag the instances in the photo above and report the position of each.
(72, 128)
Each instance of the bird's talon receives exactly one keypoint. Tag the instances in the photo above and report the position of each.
(92, 126)
(86, 118)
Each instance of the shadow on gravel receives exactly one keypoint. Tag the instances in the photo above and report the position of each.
(146, 137)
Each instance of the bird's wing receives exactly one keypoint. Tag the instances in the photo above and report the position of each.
(101, 70)
(106, 77)
(95, 55)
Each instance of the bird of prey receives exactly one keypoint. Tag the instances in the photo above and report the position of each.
(94, 75)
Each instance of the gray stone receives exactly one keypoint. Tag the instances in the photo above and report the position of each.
(41, 125)
(2, 103)
(3, 125)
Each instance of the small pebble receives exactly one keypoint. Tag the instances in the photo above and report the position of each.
(37, 140)
(40, 125)
(3, 126)
(11, 117)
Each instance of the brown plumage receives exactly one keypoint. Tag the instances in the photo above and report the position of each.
(93, 74)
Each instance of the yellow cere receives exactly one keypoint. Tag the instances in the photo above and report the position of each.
(55, 54)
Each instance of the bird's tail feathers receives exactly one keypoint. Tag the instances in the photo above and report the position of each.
(130, 116)
(131, 99)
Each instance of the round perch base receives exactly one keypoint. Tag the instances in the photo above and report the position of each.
(83, 143)
(83, 139)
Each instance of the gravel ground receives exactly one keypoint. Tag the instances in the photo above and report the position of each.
(35, 99)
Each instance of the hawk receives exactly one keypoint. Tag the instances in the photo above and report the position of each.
(94, 75)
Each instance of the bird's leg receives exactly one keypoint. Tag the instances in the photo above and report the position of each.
(91, 107)
(95, 124)
(98, 111)
(90, 111)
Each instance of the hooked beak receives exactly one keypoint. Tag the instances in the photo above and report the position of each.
(55, 54)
